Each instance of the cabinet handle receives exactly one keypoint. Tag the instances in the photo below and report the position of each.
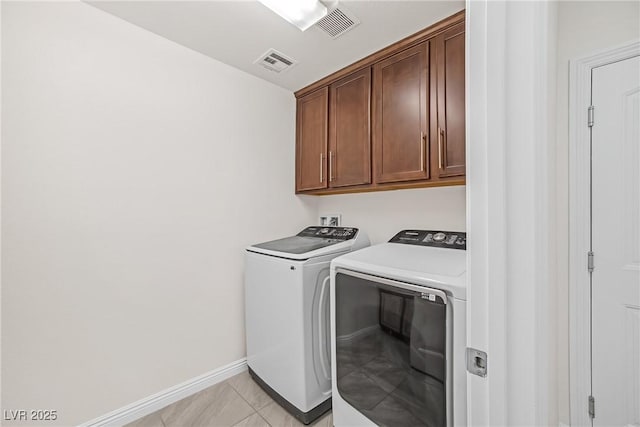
(422, 140)
(331, 166)
(440, 149)
(321, 167)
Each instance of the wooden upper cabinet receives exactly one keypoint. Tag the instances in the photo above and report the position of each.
(349, 136)
(311, 141)
(449, 139)
(395, 119)
(400, 116)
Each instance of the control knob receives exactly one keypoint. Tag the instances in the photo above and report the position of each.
(439, 237)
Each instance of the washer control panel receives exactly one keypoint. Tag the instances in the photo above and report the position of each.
(437, 239)
(336, 233)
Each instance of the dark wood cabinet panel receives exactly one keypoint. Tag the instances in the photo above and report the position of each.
(311, 141)
(349, 130)
(400, 112)
(449, 137)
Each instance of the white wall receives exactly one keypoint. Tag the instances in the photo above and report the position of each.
(134, 171)
(584, 27)
(383, 214)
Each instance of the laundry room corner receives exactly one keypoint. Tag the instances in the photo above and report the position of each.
(349, 213)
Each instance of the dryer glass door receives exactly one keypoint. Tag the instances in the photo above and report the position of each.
(391, 349)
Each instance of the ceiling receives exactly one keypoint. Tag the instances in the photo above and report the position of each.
(238, 32)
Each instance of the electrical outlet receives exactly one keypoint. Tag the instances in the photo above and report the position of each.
(331, 220)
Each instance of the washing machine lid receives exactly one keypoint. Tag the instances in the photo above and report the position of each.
(415, 258)
(311, 242)
(296, 244)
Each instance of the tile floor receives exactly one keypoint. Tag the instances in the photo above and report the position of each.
(236, 402)
(378, 375)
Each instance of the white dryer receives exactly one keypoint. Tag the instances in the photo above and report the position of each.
(287, 316)
(398, 332)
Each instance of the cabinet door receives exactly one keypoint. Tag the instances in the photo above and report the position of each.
(349, 130)
(449, 138)
(311, 141)
(400, 112)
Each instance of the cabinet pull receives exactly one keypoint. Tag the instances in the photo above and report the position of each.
(321, 167)
(422, 143)
(440, 149)
(331, 166)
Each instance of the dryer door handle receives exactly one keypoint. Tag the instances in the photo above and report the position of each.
(322, 342)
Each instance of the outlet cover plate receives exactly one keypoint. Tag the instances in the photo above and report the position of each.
(331, 220)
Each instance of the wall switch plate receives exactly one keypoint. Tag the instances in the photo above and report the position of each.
(331, 220)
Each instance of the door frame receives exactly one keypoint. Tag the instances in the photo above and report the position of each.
(580, 223)
(510, 56)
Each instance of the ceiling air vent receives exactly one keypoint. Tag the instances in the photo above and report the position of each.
(337, 22)
(275, 61)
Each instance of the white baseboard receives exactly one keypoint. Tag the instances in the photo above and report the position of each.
(561, 424)
(150, 404)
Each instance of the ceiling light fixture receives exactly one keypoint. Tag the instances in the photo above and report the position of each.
(301, 13)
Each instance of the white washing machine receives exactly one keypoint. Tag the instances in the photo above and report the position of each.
(398, 332)
(287, 316)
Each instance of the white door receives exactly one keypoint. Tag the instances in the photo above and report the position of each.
(615, 232)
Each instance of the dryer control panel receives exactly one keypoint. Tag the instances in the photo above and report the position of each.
(437, 239)
(336, 233)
